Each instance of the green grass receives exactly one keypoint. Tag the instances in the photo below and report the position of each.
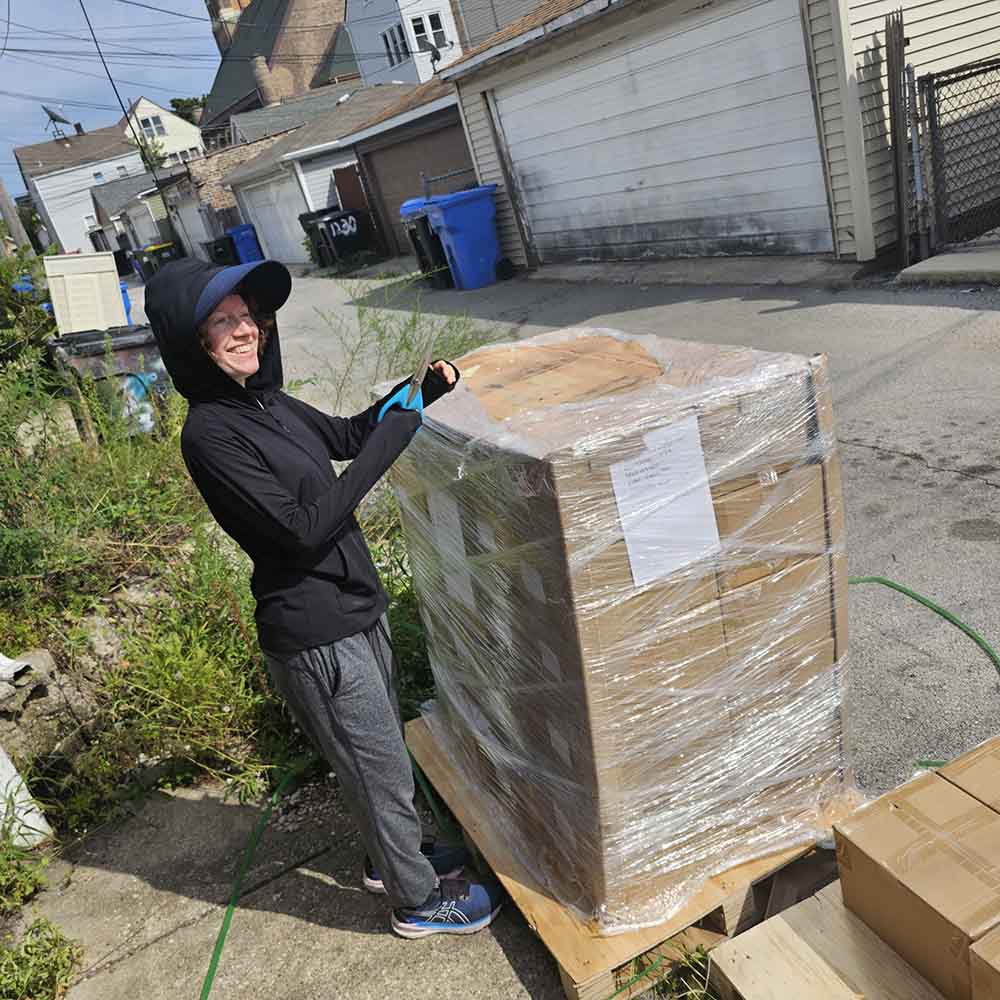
(39, 966)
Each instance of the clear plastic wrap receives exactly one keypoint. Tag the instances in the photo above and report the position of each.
(629, 554)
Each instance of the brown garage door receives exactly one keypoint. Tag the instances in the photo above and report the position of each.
(396, 172)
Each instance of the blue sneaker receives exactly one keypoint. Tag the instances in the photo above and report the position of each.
(448, 861)
(456, 906)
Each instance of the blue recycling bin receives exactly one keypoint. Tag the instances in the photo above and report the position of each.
(246, 243)
(465, 222)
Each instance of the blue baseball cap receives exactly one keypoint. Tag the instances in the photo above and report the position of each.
(267, 281)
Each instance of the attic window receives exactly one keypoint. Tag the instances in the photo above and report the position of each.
(426, 28)
(395, 45)
(152, 126)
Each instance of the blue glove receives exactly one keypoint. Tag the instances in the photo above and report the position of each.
(398, 398)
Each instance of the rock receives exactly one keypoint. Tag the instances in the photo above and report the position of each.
(102, 636)
(56, 427)
(45, 706)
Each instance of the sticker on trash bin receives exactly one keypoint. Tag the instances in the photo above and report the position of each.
(664, 503)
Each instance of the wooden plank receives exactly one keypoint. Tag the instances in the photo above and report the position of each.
(581, 953)
(817, 950)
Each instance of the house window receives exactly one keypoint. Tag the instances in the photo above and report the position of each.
(185, 155)
(152, 126)
(90, 221)
(173, 158)
(122, 171)
(99, 176)
(428, 29)
(395, 45)
(194, 152)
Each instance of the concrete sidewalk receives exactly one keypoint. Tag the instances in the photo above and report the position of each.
(973, 265)
(147, 901)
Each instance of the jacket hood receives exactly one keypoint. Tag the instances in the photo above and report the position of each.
(182, 293)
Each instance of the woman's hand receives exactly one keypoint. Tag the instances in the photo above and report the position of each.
(446, 370)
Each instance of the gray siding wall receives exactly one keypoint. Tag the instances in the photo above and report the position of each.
(318, 175)
(365, 23)
(484, 17)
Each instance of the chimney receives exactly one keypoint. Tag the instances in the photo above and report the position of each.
(265, 85)
(196, 114)
(78, 127)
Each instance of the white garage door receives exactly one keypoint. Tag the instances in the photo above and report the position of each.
(274, 209)
(690, 136)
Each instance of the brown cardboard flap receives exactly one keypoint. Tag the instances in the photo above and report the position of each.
(978, 773)
(518, 379)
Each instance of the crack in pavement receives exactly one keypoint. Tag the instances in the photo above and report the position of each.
(917, 457)
(111, 961)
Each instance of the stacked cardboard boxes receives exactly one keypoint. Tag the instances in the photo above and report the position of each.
(629, 556)
(921, 866)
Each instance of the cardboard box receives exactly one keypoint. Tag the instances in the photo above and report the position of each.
(921, 867)
(978, 773)
(633, 713)
(986, 967)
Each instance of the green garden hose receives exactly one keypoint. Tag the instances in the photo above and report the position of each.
(937, 609)
(299, 767)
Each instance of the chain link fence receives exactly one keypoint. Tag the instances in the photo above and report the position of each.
(962, 121)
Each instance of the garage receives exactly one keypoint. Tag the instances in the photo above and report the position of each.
(394, 163)
(684, 135)
(274, 207)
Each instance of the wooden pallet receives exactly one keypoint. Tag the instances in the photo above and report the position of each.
(817, 950)
(593, 967)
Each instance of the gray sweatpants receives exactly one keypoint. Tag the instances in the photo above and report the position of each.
(342, 697)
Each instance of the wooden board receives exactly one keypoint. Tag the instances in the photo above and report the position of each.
(588, 962)
(817, 950)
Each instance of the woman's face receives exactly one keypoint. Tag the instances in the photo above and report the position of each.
(232, 337)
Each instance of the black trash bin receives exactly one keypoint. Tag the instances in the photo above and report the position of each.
(222, 251)
(142, 263)
(122, 263)
(160, 253)
(429, 251)
(310, 222)
(125, 363)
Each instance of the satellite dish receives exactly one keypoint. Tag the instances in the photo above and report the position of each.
(55, 117)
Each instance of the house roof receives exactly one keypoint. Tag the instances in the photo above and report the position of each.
(295, 56)
(73, 151)
(363, 104)
(426, 93)
(290, 113)
(533, 25)
(110, 199)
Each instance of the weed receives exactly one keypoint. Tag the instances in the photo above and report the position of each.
(21, 873)
(688, 978)
(39, 966)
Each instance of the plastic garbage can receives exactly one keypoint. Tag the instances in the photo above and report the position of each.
(246, 242)
(126, 301)
(221, 251)
(465, 222)
(427, 247)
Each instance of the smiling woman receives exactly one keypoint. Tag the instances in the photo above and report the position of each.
(233, 337)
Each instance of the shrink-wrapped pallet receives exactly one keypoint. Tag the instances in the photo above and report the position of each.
(629, 554)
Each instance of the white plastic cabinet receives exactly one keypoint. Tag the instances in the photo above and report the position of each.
(85, 291)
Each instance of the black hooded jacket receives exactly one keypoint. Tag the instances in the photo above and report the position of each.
(261, 459)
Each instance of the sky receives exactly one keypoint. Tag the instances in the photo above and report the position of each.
(151, 53)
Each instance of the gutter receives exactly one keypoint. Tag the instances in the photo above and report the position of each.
(404, 118)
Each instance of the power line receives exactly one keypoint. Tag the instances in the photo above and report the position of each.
(93, 76)
(58, 101)
(6, 35)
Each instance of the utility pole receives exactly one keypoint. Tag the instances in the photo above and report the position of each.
(14, 225)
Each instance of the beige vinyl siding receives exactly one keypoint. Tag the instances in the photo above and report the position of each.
(823, 41)
(486, 160)
(942, 34)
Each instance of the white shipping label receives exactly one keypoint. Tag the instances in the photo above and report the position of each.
(664, 503)
(447, 521)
